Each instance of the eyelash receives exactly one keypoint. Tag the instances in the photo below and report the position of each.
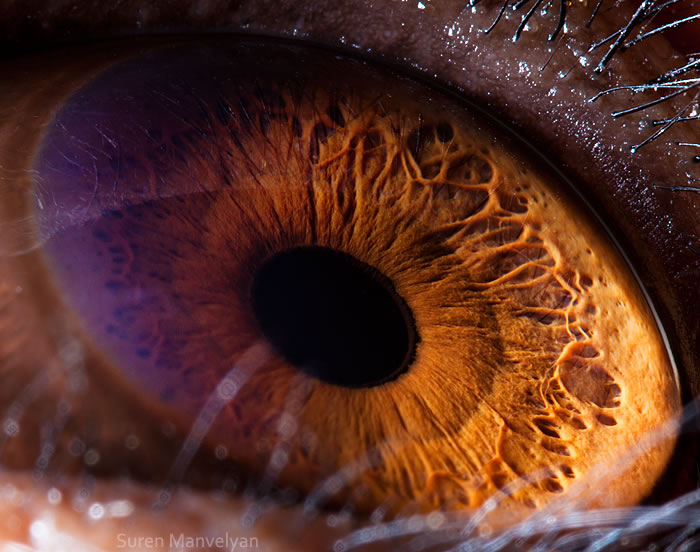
(618, 42)
(672, 85)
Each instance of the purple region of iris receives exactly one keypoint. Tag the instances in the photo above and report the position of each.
(127, 174)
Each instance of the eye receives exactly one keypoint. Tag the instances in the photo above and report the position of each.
(68, 351)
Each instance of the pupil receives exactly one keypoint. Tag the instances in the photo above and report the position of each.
(335, 318)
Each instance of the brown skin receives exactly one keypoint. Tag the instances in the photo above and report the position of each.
(619, 186)
(686, 37)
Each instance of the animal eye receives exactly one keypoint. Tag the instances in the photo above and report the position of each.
(358, 219)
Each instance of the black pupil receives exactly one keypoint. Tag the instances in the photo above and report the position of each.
(335, 318)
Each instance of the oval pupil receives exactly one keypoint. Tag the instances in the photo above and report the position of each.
(334, 317)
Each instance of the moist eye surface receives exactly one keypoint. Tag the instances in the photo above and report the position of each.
(477, 335)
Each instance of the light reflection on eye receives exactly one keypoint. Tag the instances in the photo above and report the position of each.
(51, 414)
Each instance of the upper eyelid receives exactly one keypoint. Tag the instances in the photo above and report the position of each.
(47, 24)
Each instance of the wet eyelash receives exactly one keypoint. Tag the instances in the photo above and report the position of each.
(675, 79)
(679, 87)
(681, 81)
(542, 5)
(647, 11)
(673, 84)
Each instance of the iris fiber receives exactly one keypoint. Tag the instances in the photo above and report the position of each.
(538, 358)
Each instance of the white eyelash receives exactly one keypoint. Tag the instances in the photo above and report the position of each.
(676, 83)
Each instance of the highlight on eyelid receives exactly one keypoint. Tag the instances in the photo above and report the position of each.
(353, 288)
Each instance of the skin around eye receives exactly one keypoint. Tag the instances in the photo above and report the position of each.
(50, 414)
